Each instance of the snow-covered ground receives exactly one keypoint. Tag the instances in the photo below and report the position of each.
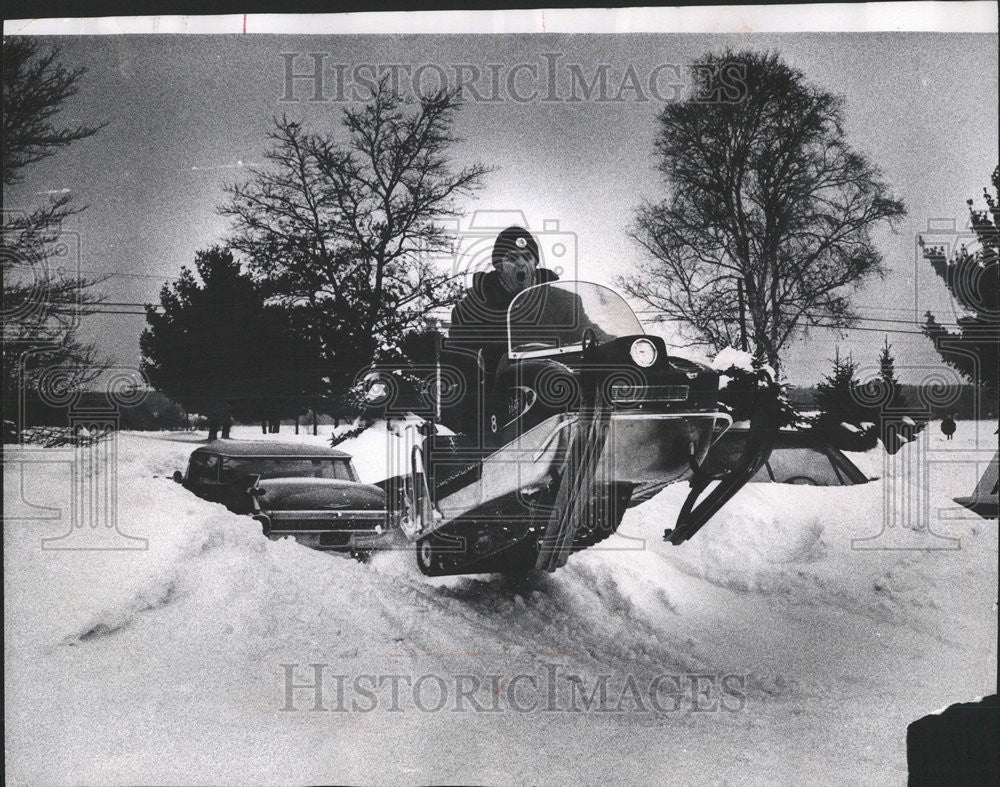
(165, 664)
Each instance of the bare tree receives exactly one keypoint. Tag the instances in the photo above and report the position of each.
(764, 193)
(347, 228)
(41, 308)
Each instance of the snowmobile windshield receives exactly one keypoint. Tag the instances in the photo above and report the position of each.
(550, 319)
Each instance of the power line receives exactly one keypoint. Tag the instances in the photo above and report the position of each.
(126, 303)
(651, 315)
(861, 319)
(655, 313)
(827, 325)
(157, 276)
(653, 310)
(110, 311)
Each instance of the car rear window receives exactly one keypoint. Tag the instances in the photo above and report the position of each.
(286, 467)
(203, 467)
(804, 465)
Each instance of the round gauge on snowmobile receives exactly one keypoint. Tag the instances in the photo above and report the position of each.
(643, 352)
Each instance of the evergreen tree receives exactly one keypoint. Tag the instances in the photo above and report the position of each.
(216, 347)
(281, 377)
(897, 424)
(41, 305)
(894, 399)
(841, 402)
(972, 278)
(837, 394)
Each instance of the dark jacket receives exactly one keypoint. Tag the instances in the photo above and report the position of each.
(479, 321)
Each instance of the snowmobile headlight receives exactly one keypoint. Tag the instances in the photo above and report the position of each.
(643, 352)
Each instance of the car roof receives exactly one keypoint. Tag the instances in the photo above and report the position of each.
(269, 448)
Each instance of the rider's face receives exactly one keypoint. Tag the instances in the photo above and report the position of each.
(517, 270)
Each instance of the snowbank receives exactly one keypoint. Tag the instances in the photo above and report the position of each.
(166, 664)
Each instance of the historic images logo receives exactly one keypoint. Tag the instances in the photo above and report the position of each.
(310, 76)
(44, 303)
(316, 687)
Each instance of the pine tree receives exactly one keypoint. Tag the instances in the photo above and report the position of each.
(840, 403)
(837, 395)
(216, 347)
(972, 278)
(281, 376)
(41, 305)
(894, 399)
(891, 415)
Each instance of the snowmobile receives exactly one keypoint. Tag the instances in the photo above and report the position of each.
(585, 416)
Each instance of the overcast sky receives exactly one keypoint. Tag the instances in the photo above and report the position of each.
(184, 111)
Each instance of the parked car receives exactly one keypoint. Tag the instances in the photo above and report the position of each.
(295, 490)
(799, 456)
(805, 457)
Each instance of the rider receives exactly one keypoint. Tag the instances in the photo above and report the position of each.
(479, 321)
